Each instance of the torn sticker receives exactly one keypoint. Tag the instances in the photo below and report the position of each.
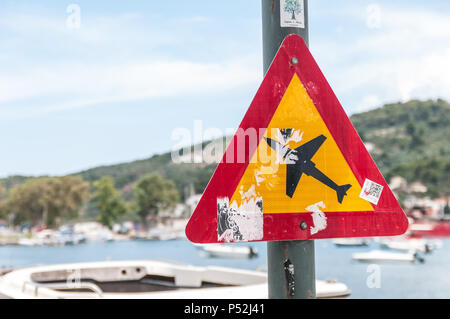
(371, 191)
(284, 137)
(292, 13)
(240, 223)
(289, 135)
(289, 272)
(319, 218)
(259, 177)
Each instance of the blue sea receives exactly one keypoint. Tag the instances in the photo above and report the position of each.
(430, 279)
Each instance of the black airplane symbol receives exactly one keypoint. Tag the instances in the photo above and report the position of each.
(299, 162)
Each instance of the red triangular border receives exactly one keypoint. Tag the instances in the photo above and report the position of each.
(388, 219)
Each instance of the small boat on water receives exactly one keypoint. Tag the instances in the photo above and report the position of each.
(403, 244)
(29, 242)
(144, 280)
(351, 242)
(159, 235)
(227, 251)
(107, 238)
(168, 235)
(431, 229)
(49, 237)
(388, 257)
(67, 236)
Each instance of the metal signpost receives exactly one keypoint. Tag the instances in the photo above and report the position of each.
(290, 264)
(296, 169)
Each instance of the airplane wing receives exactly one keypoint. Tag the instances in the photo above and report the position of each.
(308, 150)
(305, 153)
(293, 175)
(295, 171)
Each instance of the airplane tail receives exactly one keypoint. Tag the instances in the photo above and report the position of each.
(342, 191)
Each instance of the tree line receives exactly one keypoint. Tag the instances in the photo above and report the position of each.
(52, 201)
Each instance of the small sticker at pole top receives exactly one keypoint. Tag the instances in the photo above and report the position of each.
(371, 191)
(292, 13)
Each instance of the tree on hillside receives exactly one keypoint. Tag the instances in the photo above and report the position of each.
(416, 135)
(108, 201)
(3, 201)
(152, 194)
(43, 200)
(3, 191)
(68, 193)
(410, 128)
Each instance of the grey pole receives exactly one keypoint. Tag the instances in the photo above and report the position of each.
(273, 33)
(291, 265)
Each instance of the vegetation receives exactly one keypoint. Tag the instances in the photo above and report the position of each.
(434, 172)
(402, 134)
(447, 209)
(126, 175)
(407, 139)
(152, 194)
(108, 201)
(3, 201)
(47, 200)
(2, 191)
(410, 140)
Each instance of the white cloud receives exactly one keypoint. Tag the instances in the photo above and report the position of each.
(106, 67)
(373, 19)
(425, 77)
(194, 19)
(402, 31)
(368, 102)
(34, 29)
(79, 85)
(408, 57)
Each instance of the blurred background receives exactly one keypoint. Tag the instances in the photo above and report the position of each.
(92, 92)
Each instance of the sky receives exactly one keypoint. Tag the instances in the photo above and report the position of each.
(98, 82)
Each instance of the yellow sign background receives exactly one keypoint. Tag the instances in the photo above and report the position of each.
(265, 177)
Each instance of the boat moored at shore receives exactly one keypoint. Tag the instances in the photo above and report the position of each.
(144, 280)
(387, 257)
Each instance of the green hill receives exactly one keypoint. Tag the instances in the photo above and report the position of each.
(408, 139)
(411, 140)
(185, 175)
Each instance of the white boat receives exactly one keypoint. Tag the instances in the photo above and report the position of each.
(54, 238)
(144, 280)
(421, 245)
(227, 251)
(168, 235)
(162, 235)
(30, 242)
(385, 256)
(49, 237)
(351, 242)
(331, 289)
(107, 237)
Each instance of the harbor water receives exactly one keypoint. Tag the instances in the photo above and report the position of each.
(430, 279)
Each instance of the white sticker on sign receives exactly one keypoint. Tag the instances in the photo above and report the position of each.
(371, 192)
(292, 13)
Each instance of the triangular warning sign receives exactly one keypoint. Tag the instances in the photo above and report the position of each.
(296, 168)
